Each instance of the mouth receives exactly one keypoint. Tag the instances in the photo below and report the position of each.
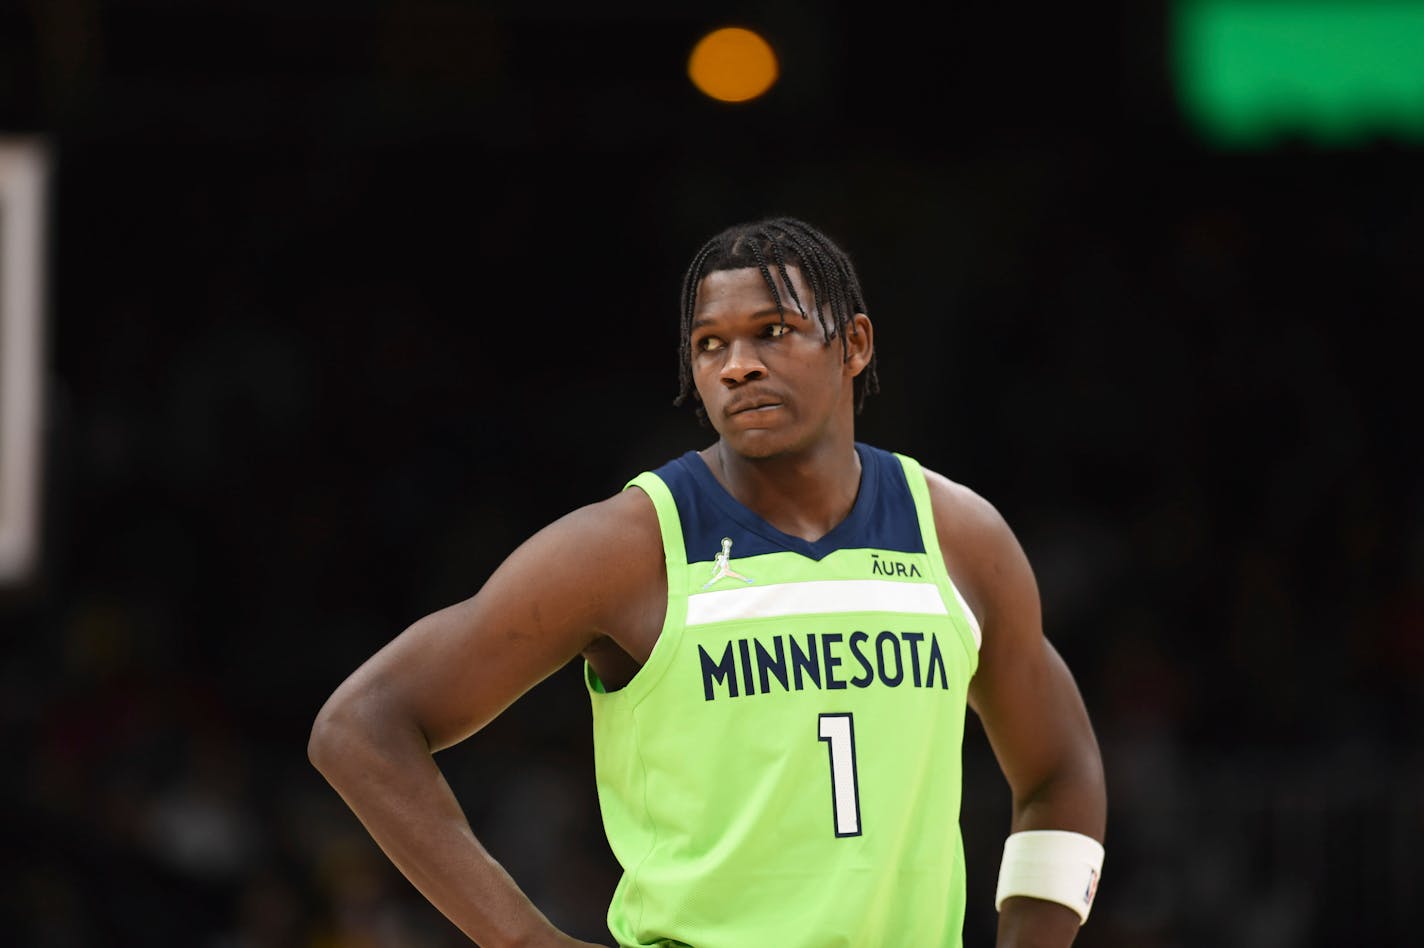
(755, 404)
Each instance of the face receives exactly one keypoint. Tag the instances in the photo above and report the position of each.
(770, 388)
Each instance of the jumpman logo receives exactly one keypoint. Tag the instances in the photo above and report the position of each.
(722, 566)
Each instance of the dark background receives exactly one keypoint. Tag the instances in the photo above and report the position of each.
(347, 299)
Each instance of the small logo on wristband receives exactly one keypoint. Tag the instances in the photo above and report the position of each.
(1092, 889)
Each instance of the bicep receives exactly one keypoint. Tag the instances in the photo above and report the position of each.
(1034, 717)
(1023, 691)
(454, 670)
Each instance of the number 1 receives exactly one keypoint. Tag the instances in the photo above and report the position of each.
(838, 731)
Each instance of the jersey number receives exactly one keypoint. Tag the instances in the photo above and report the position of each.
(838, 731)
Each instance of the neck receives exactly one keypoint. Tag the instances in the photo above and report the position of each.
(805, 494)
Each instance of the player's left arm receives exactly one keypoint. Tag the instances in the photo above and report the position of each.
(1027, 699)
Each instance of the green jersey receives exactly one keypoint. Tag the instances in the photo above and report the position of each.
(786, 767)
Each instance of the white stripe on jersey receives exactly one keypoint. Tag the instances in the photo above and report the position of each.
(816, 598)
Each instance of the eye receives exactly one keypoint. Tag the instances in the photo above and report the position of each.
(777, 330)
(707, 344)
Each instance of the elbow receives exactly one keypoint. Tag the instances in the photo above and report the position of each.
(339, 734)
(360, 731)
(327, 734)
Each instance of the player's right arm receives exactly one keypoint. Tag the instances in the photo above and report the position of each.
(589, 575)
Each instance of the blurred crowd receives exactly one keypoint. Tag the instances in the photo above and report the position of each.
(1191, 400)
(318, 362)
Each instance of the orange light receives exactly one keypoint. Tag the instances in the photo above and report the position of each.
(732, 65)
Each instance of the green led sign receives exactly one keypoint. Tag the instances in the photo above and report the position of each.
(1337, 73)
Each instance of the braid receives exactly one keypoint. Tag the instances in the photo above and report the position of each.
(781, 243)
(822, 287)
(780, 261)
(690, 279)
(766, 275)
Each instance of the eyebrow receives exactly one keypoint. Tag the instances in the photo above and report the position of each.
(759, 314)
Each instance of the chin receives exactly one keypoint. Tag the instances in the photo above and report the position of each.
(759, 443)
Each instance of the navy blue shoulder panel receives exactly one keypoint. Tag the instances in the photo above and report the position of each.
(883, 517)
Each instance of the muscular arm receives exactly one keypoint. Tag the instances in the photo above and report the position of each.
(452, 672)
(1026, 697)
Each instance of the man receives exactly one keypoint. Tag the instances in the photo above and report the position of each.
(781, 634)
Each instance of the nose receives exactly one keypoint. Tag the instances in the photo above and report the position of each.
(741, 364)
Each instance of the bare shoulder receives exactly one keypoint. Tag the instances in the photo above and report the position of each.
(557, 593)
(983, 556)
(969, 526)
(604, 563)
(627, 516)
(612, 543)
(961, 506)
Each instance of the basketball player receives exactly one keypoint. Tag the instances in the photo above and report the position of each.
(781, 634)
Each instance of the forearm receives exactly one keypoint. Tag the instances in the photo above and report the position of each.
(386, 774)
(1034, 923)
(1074, 801)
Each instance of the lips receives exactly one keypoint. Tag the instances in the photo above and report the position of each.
(750, 403)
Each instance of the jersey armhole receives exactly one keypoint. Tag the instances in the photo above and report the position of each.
(924, 510)
(674, 618)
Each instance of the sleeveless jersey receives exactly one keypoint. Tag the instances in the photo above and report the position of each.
(786, 767)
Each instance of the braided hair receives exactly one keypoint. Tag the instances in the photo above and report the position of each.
(778, 243)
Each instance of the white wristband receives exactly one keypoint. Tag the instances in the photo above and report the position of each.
(1055, 865)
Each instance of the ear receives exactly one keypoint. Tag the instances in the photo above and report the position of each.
(860, 344)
